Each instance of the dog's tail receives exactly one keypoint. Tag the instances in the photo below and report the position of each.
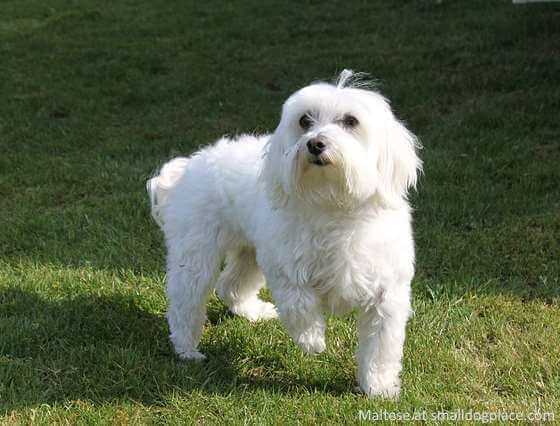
(159, 186)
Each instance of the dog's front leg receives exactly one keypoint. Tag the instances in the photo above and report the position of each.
(298, 308)
(381, 334)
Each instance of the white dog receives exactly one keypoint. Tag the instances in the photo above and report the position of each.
(320, 207)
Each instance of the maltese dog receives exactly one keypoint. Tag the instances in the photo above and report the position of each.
(318, 208)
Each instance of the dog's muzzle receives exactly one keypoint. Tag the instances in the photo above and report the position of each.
(316, 149)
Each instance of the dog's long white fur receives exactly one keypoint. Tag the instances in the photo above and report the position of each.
(159, 186)
(331, 232)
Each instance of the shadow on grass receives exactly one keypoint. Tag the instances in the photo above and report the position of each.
(100, 349)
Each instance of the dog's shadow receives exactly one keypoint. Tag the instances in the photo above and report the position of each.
(100, 349)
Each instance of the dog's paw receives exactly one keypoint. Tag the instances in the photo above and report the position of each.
(255, 310)
(311, 342)
(377, 388)
(264, 311)
(191, 356)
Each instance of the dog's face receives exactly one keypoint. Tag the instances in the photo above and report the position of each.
(339, 145)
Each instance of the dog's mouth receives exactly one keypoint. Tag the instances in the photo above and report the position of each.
(319, 160)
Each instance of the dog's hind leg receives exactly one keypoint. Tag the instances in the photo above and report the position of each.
(239, 284)
(191, 271)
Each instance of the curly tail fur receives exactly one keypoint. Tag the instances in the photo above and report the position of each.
(159, 186)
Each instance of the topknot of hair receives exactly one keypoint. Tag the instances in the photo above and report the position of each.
(354, 80)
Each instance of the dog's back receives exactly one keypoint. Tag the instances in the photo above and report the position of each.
(208, 180)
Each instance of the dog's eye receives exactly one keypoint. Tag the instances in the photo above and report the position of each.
(305, 121)
(350, 121)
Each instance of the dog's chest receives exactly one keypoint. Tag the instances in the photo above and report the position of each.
(336, 262)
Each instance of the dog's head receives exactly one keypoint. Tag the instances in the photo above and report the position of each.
(340, 145)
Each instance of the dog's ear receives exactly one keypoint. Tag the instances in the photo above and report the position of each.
(398, 163)
(272, 173)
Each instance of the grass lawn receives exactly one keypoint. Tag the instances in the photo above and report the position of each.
(95, 95)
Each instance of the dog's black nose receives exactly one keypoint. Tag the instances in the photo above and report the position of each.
(315, 146)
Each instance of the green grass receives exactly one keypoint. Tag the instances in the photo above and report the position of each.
(96, 95)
